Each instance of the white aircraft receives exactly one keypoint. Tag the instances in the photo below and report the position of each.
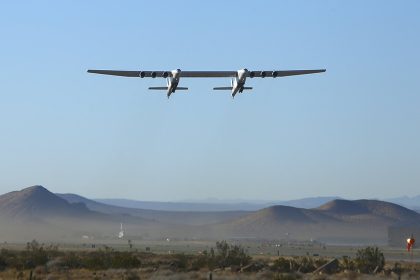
(237, 82)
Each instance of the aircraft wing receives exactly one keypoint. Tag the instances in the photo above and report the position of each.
(205, 74)
(282, 73)
(129, 73)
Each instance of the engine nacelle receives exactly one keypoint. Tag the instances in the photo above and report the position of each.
(263, 74)
(142, 74)
(165, 74)
(153, 74)
(252, 74)
(275, 74)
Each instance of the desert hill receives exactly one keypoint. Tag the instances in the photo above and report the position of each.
(349, 221)
(35, 212)
(364, 210)
(35, 201)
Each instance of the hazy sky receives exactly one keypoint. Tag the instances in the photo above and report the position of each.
(353, 131)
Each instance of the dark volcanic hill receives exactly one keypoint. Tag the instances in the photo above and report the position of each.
(38, 201)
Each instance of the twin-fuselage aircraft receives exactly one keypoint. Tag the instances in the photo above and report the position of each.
(237, 82)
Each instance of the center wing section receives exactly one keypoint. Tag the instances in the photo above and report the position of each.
(208, 74)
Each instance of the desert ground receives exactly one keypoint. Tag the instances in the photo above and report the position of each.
(178, 259)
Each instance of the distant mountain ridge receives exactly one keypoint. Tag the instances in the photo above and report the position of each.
(215, 205)
(165, 216)
(243, 205)
(412, 202)
(35, 212)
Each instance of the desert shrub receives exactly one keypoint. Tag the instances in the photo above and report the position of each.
(319, 262)
(34, 255)
(301, 264)
(347, 264)
(71, 260)
(181, 262)
(104, 259)
(397, 268)
(306, 264)
(131, 275)
(3, 263)
(368, 259)
(94, 260)
(199, 262)
(9, 259)
(284, 265)
(287, 276)
(101, 259)
(124, 260)
(205, 260)
(228, 255)
(225, 255)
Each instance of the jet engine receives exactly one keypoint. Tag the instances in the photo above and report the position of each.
(165, 74)
(275, 74)
(153, 74)
(263, 74)
(142, 74)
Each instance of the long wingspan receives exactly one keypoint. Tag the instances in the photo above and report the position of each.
(237, 84)
(206, 74)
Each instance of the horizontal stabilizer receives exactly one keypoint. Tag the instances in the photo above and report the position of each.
(247, 88)
(158, 88)
(222, 88)
(181, 88)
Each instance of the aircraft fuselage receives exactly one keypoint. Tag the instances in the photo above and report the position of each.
(239, 82)
(173, 82)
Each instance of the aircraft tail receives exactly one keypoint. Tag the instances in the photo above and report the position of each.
(166, 88)
(222, 88)
(230, 88)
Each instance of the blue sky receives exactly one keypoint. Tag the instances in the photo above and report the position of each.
(353, 131)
